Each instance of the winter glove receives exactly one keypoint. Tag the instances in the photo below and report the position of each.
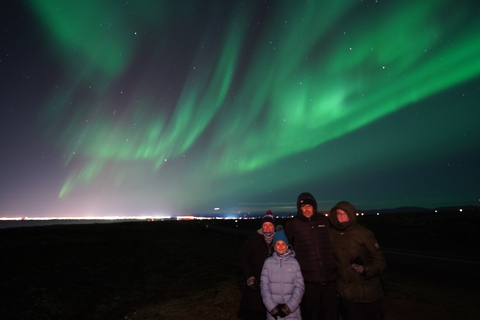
(357, 260)
(280, 308)
(358, 268)
(274, 312)
(286, 310)
(357, 264)
(252, 283)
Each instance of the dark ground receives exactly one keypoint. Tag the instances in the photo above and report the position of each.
(182, 270)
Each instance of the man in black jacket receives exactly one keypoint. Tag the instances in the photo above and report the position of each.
(309, 234)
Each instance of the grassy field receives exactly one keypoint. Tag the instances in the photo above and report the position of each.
(178, 270)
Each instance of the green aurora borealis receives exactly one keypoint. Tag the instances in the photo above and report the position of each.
(179, 107)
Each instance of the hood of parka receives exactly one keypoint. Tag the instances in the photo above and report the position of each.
(349, 209)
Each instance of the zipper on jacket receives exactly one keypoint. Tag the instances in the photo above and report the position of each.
(317, 247)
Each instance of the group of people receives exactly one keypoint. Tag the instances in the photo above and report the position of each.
(315, 268)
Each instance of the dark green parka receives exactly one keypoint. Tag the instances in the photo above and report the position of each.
(354, 243)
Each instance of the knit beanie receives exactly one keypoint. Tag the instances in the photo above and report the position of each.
(280, 236)
(306, 198)
(268, 217)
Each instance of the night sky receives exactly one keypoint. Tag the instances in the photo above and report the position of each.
(179, 107)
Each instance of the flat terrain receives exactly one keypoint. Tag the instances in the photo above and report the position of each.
(184, 270)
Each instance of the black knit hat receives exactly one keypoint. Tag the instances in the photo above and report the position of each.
(268, 217)
(306, 198)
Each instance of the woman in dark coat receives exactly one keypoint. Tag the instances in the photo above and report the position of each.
(360, 263)
(255, 251)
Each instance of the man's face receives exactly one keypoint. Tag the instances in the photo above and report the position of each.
(307, 210)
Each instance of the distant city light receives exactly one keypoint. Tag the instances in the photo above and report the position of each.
(149, 218)
(89, 218)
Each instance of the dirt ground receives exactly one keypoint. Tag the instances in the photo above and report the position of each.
(172, 270)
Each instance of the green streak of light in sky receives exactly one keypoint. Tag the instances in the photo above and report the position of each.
(313, 67)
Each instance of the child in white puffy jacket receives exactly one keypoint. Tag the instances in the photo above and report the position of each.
(281, 283)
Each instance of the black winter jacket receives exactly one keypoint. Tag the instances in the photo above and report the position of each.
(310, 238)
(254, 253)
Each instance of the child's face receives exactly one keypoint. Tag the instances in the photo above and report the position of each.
(280, 246)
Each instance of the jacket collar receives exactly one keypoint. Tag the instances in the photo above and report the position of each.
(315, 216)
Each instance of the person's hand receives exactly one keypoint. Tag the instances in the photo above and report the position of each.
(286, 310)
(357, 260)
(252, 283)
(358, 268)
(274, 312)
(280, 308)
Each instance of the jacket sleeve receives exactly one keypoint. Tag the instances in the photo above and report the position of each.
(377, 264)
(265, 288)
(245, 259)
(289, 233)
(294, 302)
